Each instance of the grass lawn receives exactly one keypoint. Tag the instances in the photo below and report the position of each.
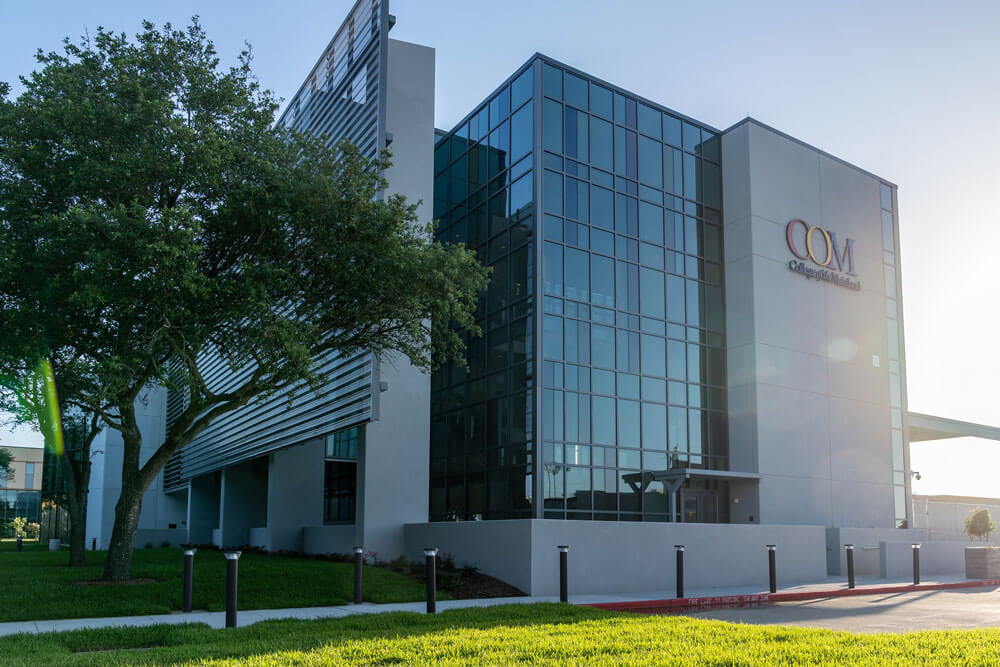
(37, 584)
(542, 633)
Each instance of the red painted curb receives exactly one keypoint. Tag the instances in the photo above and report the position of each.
(765, 598)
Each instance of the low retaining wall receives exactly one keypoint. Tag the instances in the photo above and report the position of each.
(618, 557)
(935, 558)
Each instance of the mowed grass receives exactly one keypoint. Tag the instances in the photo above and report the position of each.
(510, 634)
(37, 584)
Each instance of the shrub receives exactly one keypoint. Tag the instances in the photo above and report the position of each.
(33, 530)
(979, 524)
(15, 528)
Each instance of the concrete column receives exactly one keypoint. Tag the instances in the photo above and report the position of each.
(243, 501)
(203, 508)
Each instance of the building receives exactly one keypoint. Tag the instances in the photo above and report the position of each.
(693, 336)
(21, 491)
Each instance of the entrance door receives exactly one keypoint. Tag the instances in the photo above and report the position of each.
(699, 506)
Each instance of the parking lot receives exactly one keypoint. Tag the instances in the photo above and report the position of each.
(894, 612)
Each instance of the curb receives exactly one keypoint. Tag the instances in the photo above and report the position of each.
(755, 599)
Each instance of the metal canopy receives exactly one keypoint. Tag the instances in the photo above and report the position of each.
(673, 479)
(928, 427)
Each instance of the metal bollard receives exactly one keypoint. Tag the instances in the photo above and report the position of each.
(93, 544)
(850, 565)
(772, 569)
(188, 578)
(680, 569)
(18, 542)
(232, 572)
(359, 560)
(430, 569)
(916, 564)
(563, 573)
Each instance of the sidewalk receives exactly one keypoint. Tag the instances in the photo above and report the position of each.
(662, 600)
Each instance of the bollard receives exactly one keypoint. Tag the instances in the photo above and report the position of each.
(916, 564)
(772, 569)
(358, 563)
(93, 544)
(850, 565)
(563, 573)
(680, 569)
(188, 578)
(18, 542)
(232, 572)
(430, 569)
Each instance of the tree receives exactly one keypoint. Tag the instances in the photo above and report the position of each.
(27, 392)
(979, 524)
(5, 459)
(153, 215)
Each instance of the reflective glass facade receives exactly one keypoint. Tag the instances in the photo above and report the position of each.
(615, 205)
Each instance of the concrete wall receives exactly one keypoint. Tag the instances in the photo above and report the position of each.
(394, 465)
(936, 558)
(619, 557)
(294, 494)
(809, 409)
(334, 539)
(867, 548)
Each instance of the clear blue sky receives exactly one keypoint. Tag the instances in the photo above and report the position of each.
(908, 90)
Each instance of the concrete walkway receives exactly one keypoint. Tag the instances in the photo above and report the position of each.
(249, 617)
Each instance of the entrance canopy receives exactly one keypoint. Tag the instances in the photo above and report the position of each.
(673, 478)
(928, 427)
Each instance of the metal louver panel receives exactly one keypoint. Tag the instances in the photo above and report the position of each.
(342, 98)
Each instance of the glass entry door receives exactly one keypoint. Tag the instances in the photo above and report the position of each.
(699, 506)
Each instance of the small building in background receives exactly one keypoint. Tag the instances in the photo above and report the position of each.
(21, 491)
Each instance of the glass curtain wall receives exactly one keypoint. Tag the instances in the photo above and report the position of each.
(633, 373)
(482, 414)
(630, 318)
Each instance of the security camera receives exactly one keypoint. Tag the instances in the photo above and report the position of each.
(917, 476)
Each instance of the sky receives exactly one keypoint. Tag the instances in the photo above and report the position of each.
(907, 90)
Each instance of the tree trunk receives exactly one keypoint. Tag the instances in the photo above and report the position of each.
(118, 565)
(78, 484)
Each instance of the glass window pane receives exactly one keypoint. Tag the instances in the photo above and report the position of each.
(520, 90)
(521, 133)
(552, 81)
(552, 126)
(601, 207)
(675, 298)
(649, 121)
(552, 195)
(552, 268)
(885, 194)
(602, 145)
(602, 281)
(575, 91)
(602, 346)
(628, 423)
(651, 293)
(676, 361)
(603, 426)
(552, 337)
(577, 135)
(677, 429)
(577, 274)
(650, 162)
(672, 130)
(577, 199)
(653, 359)
(888, 239)
(654, 426)
(692, 138)
(650, 223)
(600, 101)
